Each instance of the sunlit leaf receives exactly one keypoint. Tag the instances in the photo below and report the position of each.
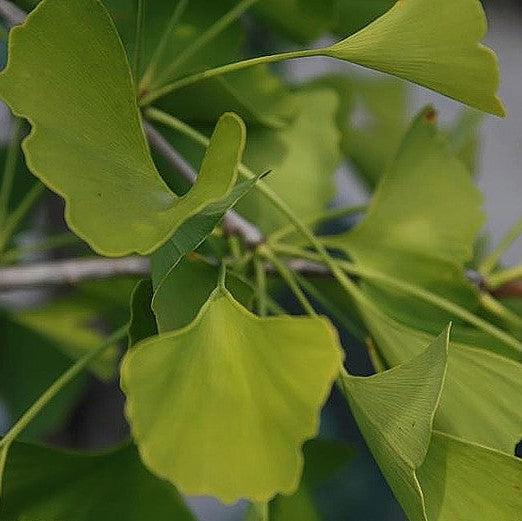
(435, 477)
(322, 460)
(44, 484)
(480, 400)
(303, 158)
(433, 43)
(237, 431)
(395, 412)
(420, 227)
(87, 142)
(462, 480)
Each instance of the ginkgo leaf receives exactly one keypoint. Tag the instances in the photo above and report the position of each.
(323, 459)
(47, 484)
(435, 477)
(222, 406)
(435, 43)
(480, 400)
(303, 157)
(183, 291)
(395, 412)
(87, 141)
(420, 227)
(469, 482)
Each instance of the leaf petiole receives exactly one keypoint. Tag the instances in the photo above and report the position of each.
(409, 289)
(289, 278)
(489, 263)
(206, 37)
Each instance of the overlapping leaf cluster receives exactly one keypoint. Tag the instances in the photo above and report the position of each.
(220, 399)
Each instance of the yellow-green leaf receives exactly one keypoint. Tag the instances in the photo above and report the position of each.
(223, 406)
(435, 43)
(68, 75)
(435, 476)
(480, 400)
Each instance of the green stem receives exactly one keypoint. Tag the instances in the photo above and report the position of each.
(498, 309)
(263, 188)
(339, 315)
(162, 45)
(489, 263)
(503, 277)
(272, 306)
(206, 37)
(410, 289)
(290, 280)
(14, 221)
(225, 69)
(261, 290)
(316, 220)
(10, 170)
(138, 41)
(58, 385)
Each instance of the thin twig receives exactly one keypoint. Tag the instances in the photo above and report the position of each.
(11, 13)
(233, 223)
(74, 271)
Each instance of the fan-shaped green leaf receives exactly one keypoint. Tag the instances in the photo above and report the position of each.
(435, 43)
(480, 401)
(420, 227)
(395, 412)
(46, 484)
(222, 406)
(303, 156)
(465, 481)
(87, 142)
(435, 477)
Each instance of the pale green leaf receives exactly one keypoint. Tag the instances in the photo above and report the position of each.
(468, 482)
(435, 477)
(480, 401)
(87, 142)
(420, 227)
(435, 43)
(395, 412)
(222, 406)
(46, 484)
(322, 460)
(303, 158)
